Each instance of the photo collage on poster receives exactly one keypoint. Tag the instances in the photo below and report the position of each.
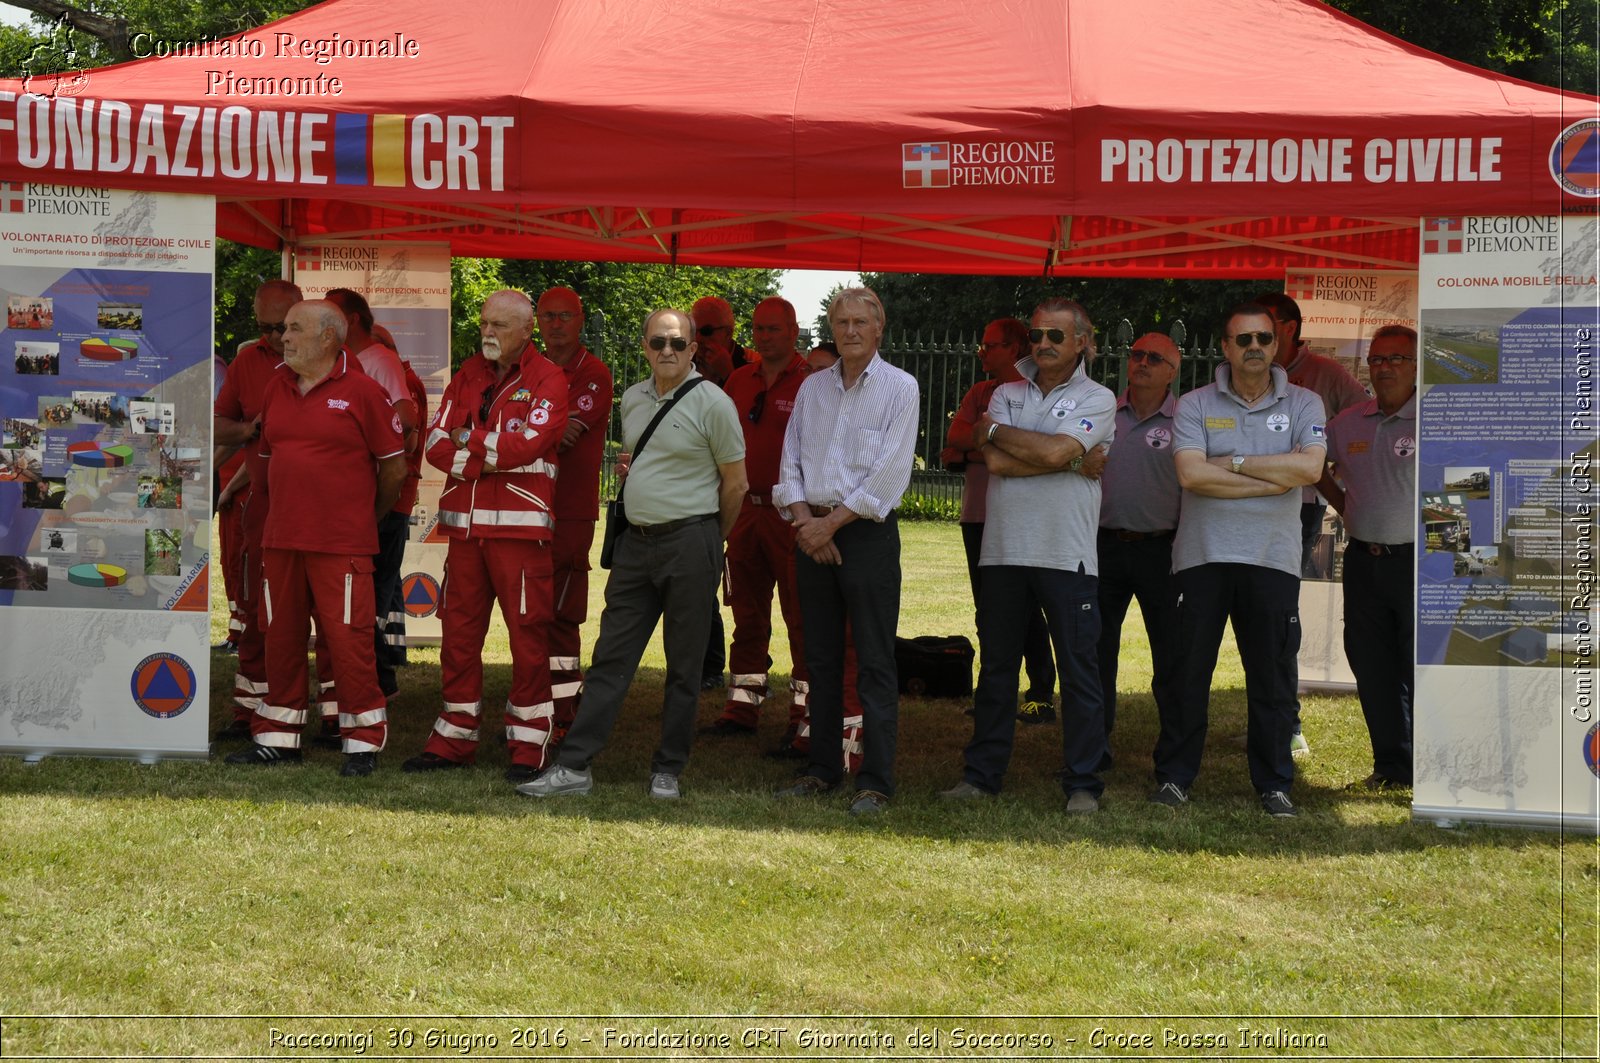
(104, 403)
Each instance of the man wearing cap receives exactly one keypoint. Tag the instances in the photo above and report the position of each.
(1244, 446)
(1005, 340)
(761, 545)
(682, 490)
(1039, 552)
(495, 438)
(847, 459)
(1372, 451)
(1138, 520)
(577, 499)
(335, 457)
(237, 419)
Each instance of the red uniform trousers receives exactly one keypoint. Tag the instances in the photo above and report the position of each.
(852, 714)
(250, 680)
(761, 556)
(230, 533)
(478, 571)
(569, 588)
(338, 587)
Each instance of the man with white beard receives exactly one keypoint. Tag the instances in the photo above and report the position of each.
(495, 436)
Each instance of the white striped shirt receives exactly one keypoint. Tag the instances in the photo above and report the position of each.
(851, 448)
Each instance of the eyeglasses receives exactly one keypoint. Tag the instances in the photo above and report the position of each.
(1145, 356)
(659, 343)
(1037, 335)
(1375, 360)
(758, 407)
(708, 330)
(267, 329)
(562, 316)
(1262, 339)
(996, 345)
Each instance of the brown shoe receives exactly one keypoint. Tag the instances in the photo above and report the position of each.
(806, 786)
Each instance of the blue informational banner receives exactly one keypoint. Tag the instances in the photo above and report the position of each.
(105, 469)
(1506, 614)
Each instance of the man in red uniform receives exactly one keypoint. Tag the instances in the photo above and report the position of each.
(715, 359)
(237, 417)
(392, 613)
(335, 458)
(761, 545)
(577, 504)
(495, 435)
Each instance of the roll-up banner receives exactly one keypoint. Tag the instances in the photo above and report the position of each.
(105, 470)
(408, 288)
(1506, 613)
(1339, 310)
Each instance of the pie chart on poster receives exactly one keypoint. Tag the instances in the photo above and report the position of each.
(112, 350)
(95, 456)
(97, 575)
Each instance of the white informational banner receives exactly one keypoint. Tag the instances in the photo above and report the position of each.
(1506, 612)
(1339, 311)
(105, 470)
(408, 288)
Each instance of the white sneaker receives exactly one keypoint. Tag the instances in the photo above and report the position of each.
(556, 781)
(1298, 746)
(664, 787)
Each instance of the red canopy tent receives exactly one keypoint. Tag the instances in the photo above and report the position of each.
(1111, 137)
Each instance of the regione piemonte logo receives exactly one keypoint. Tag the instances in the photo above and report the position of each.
(308, 258)
(11, 198)
(1441, 236)
(1301, 286)
(1575, 158)
(925, 165)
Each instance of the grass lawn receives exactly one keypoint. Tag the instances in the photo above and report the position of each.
(448, 904)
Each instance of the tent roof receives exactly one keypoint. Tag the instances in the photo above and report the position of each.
(1130, 137)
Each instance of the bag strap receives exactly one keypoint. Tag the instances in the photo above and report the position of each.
(650, 429)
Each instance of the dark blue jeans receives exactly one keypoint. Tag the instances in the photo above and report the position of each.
(1008, 596)
(1036, 659)
(1378, 643)
(1141, 569)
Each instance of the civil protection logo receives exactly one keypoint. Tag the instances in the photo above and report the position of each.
(1591, 749)
(925, 165)
(420, 592)
(163, 685)
(1575, 159)
(1441, 236)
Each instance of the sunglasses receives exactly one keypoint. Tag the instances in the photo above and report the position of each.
(1376, 360)
(708, 330)
(1145, 356)
(1262, 339)
(659, 343)
(1037, 335)
(556, 315)
(758, 407)
(266, 328)
(488, 401)
(995, 346)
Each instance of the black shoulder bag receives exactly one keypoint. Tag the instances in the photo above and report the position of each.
(616, 515)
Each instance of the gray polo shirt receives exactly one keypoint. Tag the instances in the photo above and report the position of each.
(1139, 487)
(677, 476)
(1375, 457)
(1261, 531)
(1048, 521)
(1333, 384)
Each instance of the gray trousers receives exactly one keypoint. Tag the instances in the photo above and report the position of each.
(671, 577)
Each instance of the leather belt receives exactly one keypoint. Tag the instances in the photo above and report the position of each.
(1382, 549)
(1123, 535)
(822, 511)
(666, 526)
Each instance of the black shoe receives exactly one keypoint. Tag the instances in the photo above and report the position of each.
(327, 740)
(1036, 712)
(1276, 804)
(788, 751)
(235, 731)
(229, 646)
(357, 765)
(711, 682)
(262, 755)
(806, 786)
(724, 728)
(430, 762)
(518, 774)
(1170, 794)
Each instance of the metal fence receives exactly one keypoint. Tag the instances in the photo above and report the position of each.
(944, 369)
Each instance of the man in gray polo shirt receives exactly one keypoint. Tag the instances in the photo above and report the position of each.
(1138, 519)
(1373, 451)
(1245, 446)
(682, 496)
(1039, 552)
